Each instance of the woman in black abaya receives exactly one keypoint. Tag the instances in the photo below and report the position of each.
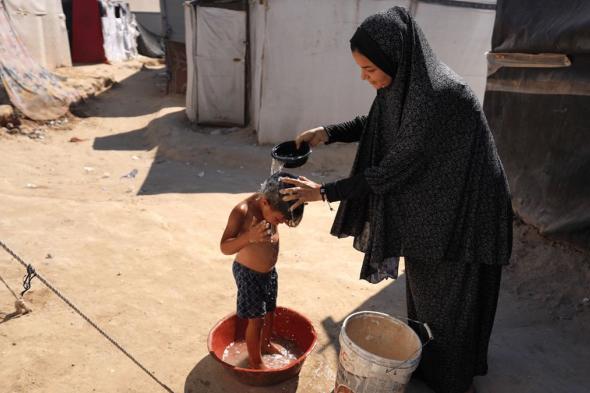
(427, 184)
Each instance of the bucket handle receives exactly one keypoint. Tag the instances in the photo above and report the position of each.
(430, 338)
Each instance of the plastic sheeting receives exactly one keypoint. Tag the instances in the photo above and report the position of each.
(119, 30)
(559, 26)
(148, 43)
(32, 89)
(539, 115)
(41, 26)
(173, 20)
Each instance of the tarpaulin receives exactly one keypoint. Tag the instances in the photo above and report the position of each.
(560, 26)
(148, 43)
(539, 113)
(119, 30)
(35, 91)
(87, 40)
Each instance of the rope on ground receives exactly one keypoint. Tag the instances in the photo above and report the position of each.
(10, 289)
(31, 273)
(20, 306)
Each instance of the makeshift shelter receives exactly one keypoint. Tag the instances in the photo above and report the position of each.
(87, 37)
(41, 27)
(149, 23)
(283, 66)
(119, 31)
(36, 92)
(536, 101)
(173, 26)
(103, 30)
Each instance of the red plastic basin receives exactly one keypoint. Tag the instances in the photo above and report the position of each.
(288, 324)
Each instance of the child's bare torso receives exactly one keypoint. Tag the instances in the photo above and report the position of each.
(260, 257)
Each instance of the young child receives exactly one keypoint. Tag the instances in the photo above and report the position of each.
(252, 233)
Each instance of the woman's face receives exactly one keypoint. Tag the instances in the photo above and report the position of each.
(370, 72)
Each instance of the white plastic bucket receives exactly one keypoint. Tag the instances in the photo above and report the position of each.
(378, 354)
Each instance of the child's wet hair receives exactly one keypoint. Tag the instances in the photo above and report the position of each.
(270, 190)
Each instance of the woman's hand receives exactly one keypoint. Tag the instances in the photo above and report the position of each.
(259, 232)
(304, 190)
(314, 137)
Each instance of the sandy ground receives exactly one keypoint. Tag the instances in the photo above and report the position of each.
(140, 257)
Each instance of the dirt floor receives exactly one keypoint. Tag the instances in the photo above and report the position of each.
(140, 257)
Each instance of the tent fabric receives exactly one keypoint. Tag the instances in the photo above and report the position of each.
(119, 30)
(539, 117)
(477, 4)
(301, 73)
(192, 110)
(148, 43)
(36, 92)
(173, 20)
(530, 26)
(41, 26)
(219, 55)
(87, 38)
(462, 46)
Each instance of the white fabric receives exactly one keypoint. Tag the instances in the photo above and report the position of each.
(302, 74)
(119, 34)
(220, 55)
(130, 33)
(41, 25)
(144, 5)
(190, 17)
(308, 76)
(460, 37)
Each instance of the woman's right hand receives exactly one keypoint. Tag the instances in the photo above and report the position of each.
(314, 137)
(259, 232)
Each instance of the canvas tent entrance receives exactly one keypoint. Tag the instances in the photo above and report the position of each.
(218, 51)
(41, 26)
(36, 92)
(293, 59)
(536, 101)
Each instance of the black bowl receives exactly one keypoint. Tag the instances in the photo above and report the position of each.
(289, 155)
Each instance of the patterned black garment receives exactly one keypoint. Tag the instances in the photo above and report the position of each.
(436, 193)
(430, 162)
(459, 302)
(257, 292)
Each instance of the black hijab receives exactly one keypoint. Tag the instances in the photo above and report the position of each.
(362, 42)
(429, 159)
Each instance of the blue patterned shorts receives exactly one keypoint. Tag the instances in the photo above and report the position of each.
(257, 292)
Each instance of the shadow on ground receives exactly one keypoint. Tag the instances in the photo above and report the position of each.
(189, 162)
(145, 80)
(189, 158)
(209, 376)
(390, 300)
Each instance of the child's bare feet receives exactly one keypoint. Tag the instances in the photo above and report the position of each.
(258, 366)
